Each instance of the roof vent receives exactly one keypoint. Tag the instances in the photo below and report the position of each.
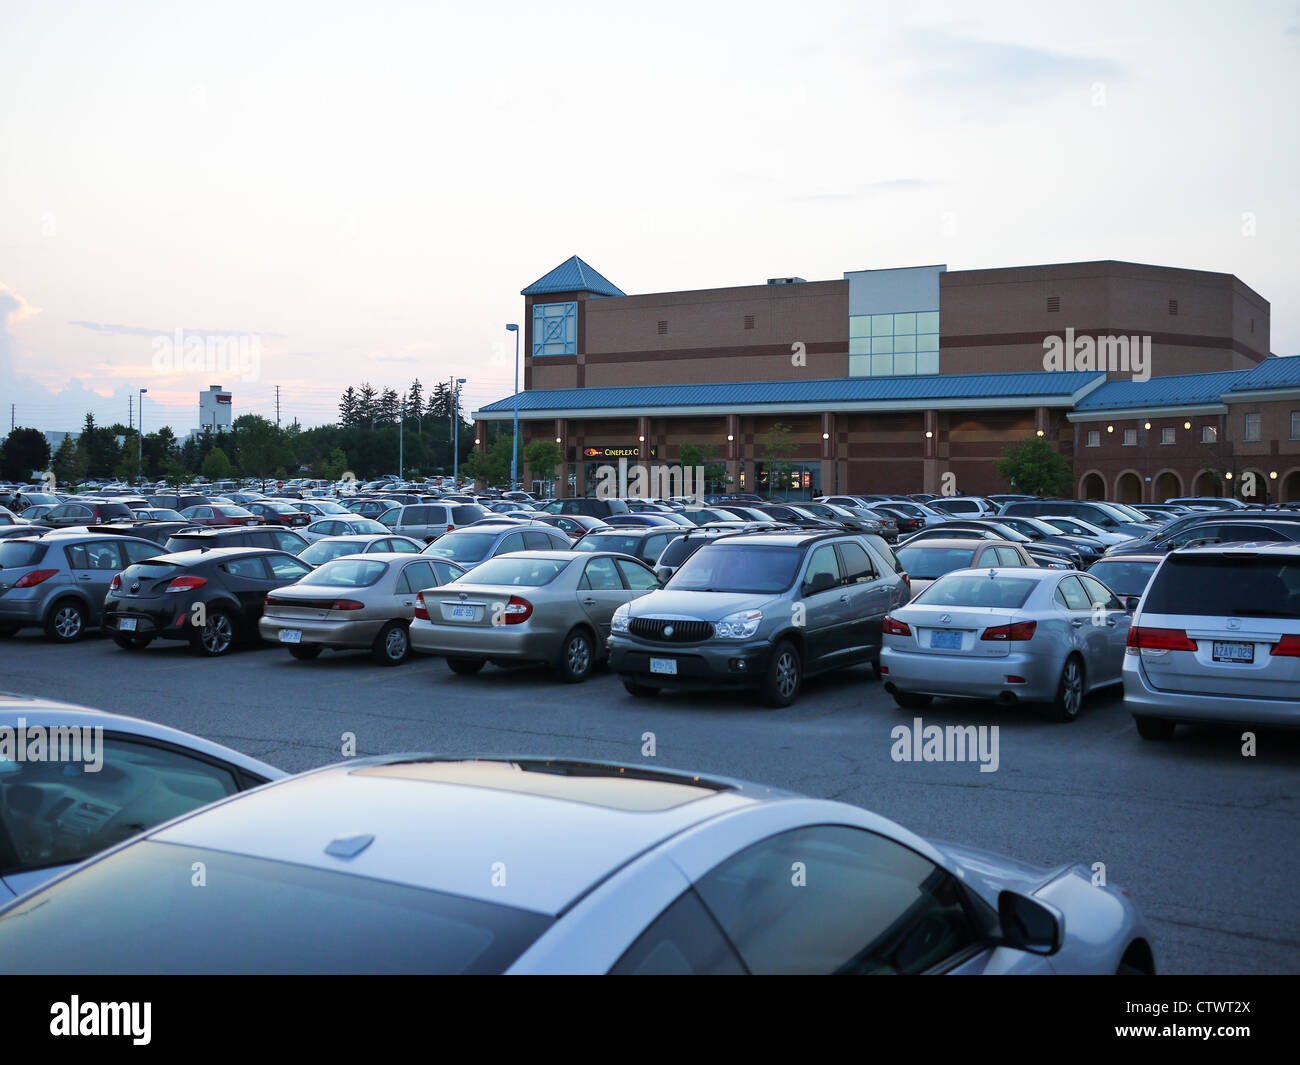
(663, 326)
(786, 281)
(749, 322)
(1053, 304)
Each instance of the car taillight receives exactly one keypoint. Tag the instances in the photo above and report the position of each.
(1021, 630)
(185, 584)
(518, 610)
(451, 528)
(347, 604)
(1146, 638)
(421, 610)
(896, 628)
(1287, 647)
(31, 580)
(116, 583)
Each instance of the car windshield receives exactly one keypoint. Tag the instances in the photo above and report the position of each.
(1231, 585)
(14, 554)
(347, 573)
(737, 568)
(1125, 578)
(136, 912)
(368, 526)
(323, 550)
(929, 563)
(1007, 593)
(626, 545)
(521, 572)
(462, 547)
(163, 514)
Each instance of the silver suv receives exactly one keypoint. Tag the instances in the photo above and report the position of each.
(1216, 638)
(59, 581)
(759, 610)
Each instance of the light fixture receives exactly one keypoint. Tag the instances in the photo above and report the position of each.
(1228, 475)
(641, 439)
(730, 438)
(826, 436)
(1039, 433)
(476, 440)
(1110, 428)
(558, 440)
(1146, 425)
(1187, 425)
(1273, 476)
(928, 434)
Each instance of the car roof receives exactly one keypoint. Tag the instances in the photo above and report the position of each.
(1135, 557)
(1286, 548)
(789, 539)
(955, 541)
(483, 811)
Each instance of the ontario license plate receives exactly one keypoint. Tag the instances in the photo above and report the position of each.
(1234, 652)
(946, 639)
(126, 625)
(291, 635)
(462, 613)
(667, 666)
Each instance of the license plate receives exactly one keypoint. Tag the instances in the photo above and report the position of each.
(462, 613)
(667, 666)
(126, 625)
(947, 639)
(291, 635)
(1234, 652)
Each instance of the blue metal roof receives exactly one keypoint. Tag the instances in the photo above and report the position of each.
(573, 275)
(1182, 390)
(828, 391)
(1273, 372)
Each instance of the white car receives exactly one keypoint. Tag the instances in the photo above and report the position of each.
(1078, 527)
(415, 863)
(96, 779)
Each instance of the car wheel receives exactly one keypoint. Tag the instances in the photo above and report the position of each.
(217, 636)
(577, 656)
(1154, 728)
(305, 652)
(132, 643)
(643, 691)
(392, 645)
(911, 700)
(781, 682)
(465, 666)
(66, 621)
(1069, 693)
(7, 630)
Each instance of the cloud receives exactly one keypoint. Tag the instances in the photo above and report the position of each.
(858, 192)
(14, 308)
(111, 329)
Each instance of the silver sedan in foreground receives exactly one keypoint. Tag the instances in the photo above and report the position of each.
(416, 863)
(1014, 635)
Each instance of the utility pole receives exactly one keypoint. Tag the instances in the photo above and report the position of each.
(12, 407)
(277, 406)
(130, 409)
(401, 428)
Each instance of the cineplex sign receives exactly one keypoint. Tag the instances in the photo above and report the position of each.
(593, 454)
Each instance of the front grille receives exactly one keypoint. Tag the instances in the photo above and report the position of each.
(682, 631)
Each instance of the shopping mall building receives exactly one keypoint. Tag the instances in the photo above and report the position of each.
(1152, 381)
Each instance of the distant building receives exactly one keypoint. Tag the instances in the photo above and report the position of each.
(214, 410)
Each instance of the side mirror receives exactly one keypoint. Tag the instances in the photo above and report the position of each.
(1030, 925)
(663, 573)
(1131, 603)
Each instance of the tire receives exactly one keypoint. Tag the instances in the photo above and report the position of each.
(642, 691)
(1069, 692)
(66, 622)
(783, 677)
(132, 643)
(305, 652)
(466, 667)
(392, 646)
(911, 700)
(1154, 728)
(217, 636)
(577, 657)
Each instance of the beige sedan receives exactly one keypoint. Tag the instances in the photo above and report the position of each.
(543, 607)
(925, 561)
(356, 602)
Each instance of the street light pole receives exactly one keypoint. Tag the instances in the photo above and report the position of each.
(455, 432)
(514, 455)
(401, 426)
(139, 454)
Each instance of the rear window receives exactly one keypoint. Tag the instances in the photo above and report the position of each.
(321, 552)
(681, 549)
(466, 513)
(462, 547)
(137, 912)
(928, 563)
(108, 511)
(1006, 593)
(519, 572)
(347, 573)
(1212, 585)
(1125, 578)
(626, 545)
(13, 555)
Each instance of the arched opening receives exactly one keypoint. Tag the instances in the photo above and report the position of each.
(1290, 487)
(1255, 487)
(1128, 488)
(1093, 486)
(1168, 486)
(1207, 484)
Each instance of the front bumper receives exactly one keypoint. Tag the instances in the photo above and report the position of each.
(966, 677)
(1141, 699)
(739, 662)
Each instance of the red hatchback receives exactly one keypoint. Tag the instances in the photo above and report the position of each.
(220, 515)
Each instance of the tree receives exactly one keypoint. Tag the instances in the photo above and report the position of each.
(387, 407)
(25, 451)
(348, 408)
(415, 403)
(715, 473)
(1034, 467)
(67, 462)
(217, 466)
(776, 448)
(541, 457)
(493, 465)
(366, 405)
(262, 449)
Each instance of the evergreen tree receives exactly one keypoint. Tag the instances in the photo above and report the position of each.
(348, 408)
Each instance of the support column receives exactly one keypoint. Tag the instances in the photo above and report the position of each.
(562, 470)
(829, 481)
(643, 443)
(930, 452)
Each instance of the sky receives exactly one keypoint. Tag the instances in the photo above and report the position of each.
(345, 192)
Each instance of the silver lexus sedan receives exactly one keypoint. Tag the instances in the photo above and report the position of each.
(417, 863)
(1014, 635)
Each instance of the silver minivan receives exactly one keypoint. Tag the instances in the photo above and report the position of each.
(1216, 638)
(428, 521)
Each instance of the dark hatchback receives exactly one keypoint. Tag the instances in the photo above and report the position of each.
(644, 544)
(212, 599)
(279, 513)
(270, 536)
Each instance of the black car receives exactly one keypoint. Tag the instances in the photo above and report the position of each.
(796, 516)
(646, 544)
(157, 531)
(90, 512)
(272, 537)
(178, 500)
(1219, 529)
(213, 599)
(592, 507)
(277, 513)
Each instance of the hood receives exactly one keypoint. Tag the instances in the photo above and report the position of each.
(987, 873)
(706, 606)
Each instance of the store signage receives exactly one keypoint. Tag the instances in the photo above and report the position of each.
(592, 454)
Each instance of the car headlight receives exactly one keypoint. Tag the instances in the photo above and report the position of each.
(619, 622)
(738, 626)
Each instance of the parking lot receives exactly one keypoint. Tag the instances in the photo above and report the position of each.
(1203, 837)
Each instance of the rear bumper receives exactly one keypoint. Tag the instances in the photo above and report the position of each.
(970, 678)
(1143, 700)
(515, 643)
(321, 632)
(166, 621)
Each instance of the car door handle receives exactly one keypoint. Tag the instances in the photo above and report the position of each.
(844, 599)
(1076, 622)
(85, 577)
(1110, 622)
(589, 602)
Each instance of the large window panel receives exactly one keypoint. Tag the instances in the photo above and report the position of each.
(555, 329)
